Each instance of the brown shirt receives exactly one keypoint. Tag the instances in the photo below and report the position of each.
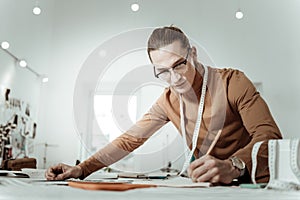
(232, 104)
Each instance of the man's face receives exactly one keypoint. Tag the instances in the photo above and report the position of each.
(164, 59)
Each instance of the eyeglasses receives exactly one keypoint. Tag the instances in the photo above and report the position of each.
(179, 68)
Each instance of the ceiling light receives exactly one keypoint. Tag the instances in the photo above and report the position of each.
(22, 63)
(4, 45)
(135, 7)
(239, 14)
(45, 79)
(36, 10)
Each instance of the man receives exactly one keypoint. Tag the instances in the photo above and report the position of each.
(227, 103)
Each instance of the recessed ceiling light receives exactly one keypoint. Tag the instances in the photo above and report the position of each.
(36, 10)
(135, 7)
(4, 45)
(239, 14)
(22, 63)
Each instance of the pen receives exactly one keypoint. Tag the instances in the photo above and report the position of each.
(214, 142)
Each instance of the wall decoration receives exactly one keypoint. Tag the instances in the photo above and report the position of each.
(17, 128)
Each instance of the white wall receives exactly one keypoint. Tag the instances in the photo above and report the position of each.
(30, 38)
(264, 45)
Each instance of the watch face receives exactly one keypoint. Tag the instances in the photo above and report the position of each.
(238, 163)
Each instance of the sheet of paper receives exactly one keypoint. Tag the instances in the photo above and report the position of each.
(154, 175)
(14, 174)
(171, 181)
(174, 181)
(102, 175)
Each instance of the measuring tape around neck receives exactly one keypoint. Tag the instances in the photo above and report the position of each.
(188, 156)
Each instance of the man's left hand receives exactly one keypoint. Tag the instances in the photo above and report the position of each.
(210, 169)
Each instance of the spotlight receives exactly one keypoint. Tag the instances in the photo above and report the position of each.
(135, 7)
(4, 45)
(239, 14)
(36, 10)
(22, 63)
(45, 79)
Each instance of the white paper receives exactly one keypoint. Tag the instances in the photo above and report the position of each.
(176, 181)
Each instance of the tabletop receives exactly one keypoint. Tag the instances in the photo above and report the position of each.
(13, 188)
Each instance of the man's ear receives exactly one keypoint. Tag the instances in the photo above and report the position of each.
(194, 52)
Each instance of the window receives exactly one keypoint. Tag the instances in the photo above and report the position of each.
(105, 117)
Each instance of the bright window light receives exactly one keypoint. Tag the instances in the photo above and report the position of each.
(105, 118)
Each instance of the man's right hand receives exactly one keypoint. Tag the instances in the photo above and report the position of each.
(62, 171)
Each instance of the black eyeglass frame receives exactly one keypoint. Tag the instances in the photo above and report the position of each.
(183, 62)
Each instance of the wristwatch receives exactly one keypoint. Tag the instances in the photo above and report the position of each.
(239, 164)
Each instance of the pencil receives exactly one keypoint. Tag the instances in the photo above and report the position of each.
(214, 142)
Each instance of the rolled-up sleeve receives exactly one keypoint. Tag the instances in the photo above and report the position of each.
(153, 120)
(256, 118)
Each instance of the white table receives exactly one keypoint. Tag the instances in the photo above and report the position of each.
(19, 189)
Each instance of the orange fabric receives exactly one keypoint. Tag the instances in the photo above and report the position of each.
(108, 186)
(232, 104)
